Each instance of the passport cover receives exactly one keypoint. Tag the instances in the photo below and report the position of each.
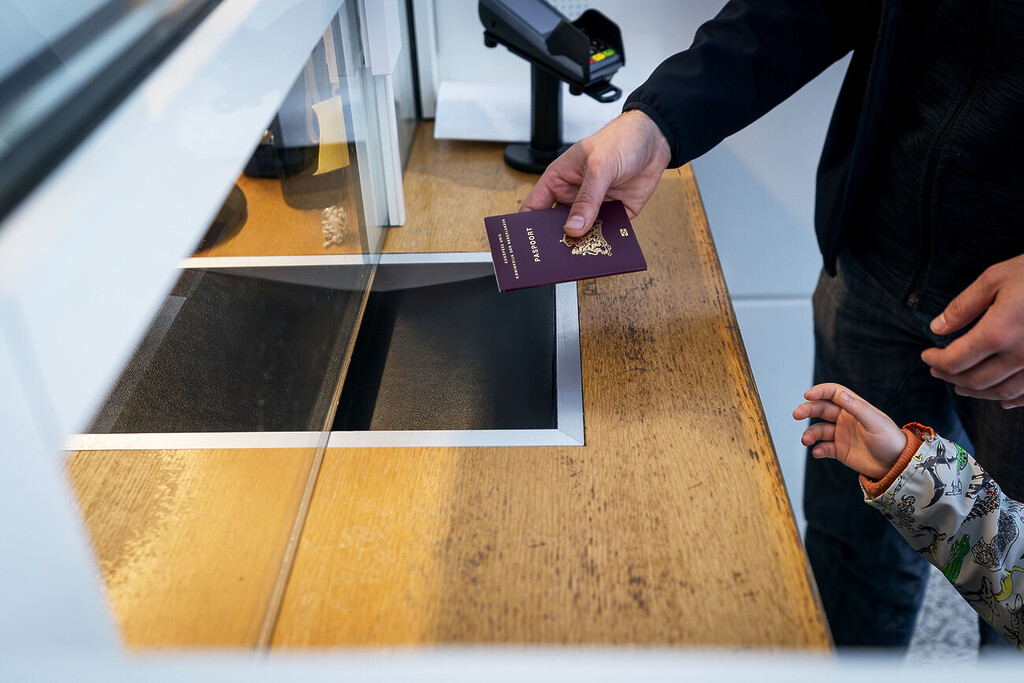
(531, 248)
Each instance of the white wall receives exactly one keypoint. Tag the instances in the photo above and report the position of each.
(758, 192)
(757, 187)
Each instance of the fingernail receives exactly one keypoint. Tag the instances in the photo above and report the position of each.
(939, 323)
(846, 397)
(574, 223)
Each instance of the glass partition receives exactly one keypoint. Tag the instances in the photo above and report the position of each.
(195, 472)
(256, 332)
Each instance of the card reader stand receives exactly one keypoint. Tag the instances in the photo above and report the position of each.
(584, 53)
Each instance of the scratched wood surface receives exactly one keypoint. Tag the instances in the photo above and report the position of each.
(190, 543)
(670, 526)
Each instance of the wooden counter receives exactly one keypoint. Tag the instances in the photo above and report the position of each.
(671, 526)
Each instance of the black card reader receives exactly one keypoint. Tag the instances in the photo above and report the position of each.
(584, 53)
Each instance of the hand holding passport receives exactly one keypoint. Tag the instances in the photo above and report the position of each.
(530, 248)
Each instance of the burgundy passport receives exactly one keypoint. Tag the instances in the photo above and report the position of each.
(531, 248)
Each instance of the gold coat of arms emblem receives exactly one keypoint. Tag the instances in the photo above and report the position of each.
(591, 243)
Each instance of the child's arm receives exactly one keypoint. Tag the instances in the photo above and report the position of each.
(936, 495)
(952, 512)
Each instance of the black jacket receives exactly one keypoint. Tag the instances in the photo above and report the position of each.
(756, 53)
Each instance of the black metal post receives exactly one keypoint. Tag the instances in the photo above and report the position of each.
(546, 100)
(545, 125)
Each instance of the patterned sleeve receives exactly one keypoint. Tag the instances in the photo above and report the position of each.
(952, 512)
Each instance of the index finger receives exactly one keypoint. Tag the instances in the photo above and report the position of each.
(560, 182)
(540, 197)
(828, 391)
(862, 410)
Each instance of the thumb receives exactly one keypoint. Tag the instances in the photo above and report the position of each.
(587, 203)
(864, 412)
(876, 423)
(967, 306)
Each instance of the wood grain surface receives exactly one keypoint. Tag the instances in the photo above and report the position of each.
(670, 526)
(190, 543)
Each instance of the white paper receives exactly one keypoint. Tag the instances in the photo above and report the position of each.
(501, 112)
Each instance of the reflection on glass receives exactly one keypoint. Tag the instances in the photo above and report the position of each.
(255, 335)
(64, 64)
(238, 352)
(300, 193)
(256, 346)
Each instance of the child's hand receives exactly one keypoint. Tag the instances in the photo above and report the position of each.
(856, 433)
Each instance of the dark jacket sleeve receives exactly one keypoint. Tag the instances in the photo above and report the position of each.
(749, 58)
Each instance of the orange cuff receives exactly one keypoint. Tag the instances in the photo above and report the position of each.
(916, 435)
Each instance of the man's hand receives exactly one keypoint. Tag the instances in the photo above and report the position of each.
(987, 361)
(856, 433)
(624, 161)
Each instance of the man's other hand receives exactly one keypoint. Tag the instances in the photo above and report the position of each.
(988, 360)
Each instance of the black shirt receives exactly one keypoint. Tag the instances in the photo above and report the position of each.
(947, 195)
(921, 175)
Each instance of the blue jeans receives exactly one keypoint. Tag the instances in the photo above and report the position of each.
(871, 581)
